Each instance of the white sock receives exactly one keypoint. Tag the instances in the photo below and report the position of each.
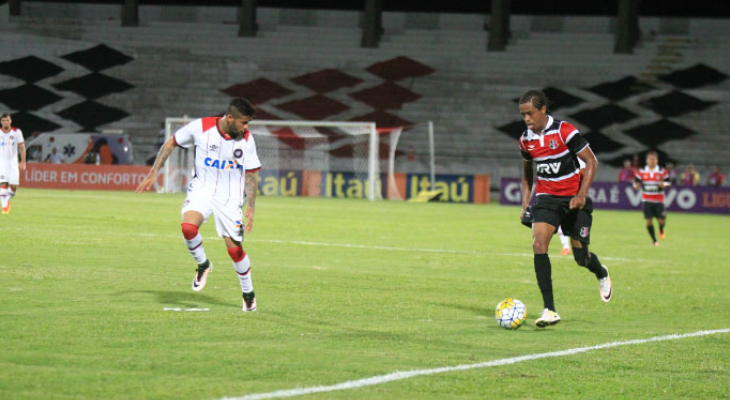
(565, 241)
(195, 246)
(4, 196)
(11, 193)
(243, 268)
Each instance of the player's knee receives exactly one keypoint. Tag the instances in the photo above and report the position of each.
(189, 230)
(539, 246)
(581, 256)
(237, 254)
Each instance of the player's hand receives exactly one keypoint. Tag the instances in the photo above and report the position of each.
(21, 166)
(577, 202)
(147, 183)
(522, 214)
(248, 212)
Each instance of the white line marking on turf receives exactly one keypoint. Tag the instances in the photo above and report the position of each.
(185, 309)
(400, 375)
(393, 248)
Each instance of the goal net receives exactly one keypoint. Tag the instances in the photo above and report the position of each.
(307, 158)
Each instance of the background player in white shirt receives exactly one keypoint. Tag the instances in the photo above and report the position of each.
(11, 143)
(225, 177)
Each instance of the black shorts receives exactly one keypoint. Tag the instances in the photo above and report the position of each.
(555, 210)
(654, 210)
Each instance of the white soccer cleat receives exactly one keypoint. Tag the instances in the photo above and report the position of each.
(201, 276)
(605, 287)
(548, 318)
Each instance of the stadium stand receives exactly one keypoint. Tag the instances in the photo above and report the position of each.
(307, 64)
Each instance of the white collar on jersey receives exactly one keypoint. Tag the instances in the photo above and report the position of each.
(657, 168)
(531, 134)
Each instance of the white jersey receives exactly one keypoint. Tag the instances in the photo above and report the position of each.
(221, 162)
(9, 142)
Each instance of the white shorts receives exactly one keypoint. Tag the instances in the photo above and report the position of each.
(228, 219)
(9, 173)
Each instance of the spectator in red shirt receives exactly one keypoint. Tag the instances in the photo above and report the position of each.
(627, 172)
(716, 178)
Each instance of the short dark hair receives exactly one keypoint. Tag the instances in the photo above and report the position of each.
(538, 98)
(652, 153)
(241, 108)
(4, 115)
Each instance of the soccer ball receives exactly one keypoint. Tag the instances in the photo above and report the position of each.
(510, 313)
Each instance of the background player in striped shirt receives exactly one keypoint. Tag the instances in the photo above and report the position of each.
(652, 180)
(11, 143)
(554, 147)
(226, 177)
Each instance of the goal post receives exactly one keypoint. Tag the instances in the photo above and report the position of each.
(322, 154)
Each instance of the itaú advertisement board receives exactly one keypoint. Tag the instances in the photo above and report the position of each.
(401, 186)
(82, 176)
(622, 196)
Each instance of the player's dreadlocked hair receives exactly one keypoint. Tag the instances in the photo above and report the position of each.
(241, 108)
(536, 97)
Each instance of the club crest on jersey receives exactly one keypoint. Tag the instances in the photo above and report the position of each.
(222, 164)
(238, 153)
(553, 144)
(584, 232)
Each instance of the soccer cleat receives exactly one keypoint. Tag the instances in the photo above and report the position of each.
(548, 318)
(605, 287)
(565, 252)
(6, 210)
(656, 244)
(249, 302)
(201, 275)
(661, 235)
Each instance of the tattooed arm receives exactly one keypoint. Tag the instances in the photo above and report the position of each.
(162, 155)
(252, 184)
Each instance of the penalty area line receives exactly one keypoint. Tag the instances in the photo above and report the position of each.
(401, 375)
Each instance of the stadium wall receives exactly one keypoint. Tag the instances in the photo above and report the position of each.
(268, 18)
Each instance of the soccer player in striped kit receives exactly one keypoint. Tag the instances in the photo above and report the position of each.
(561, 195)
(652, 180)
(226, 177)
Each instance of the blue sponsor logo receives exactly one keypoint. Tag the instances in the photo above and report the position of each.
(223, 164)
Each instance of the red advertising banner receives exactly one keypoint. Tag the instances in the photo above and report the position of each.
(82, 176)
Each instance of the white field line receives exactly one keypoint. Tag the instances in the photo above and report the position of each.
(394, 248)
(401, 375)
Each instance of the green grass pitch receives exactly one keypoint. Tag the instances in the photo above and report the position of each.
(346, 290)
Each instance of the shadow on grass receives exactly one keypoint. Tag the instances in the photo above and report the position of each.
(479, 311)
(183, 299)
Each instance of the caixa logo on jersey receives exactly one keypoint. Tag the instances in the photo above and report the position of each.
(222, 164)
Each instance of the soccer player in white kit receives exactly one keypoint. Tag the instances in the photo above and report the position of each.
(11, 143)
(225, 177)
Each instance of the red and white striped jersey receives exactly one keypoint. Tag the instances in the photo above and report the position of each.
(554, 152)
(651, 180)
(221, 162)
(9, 142)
